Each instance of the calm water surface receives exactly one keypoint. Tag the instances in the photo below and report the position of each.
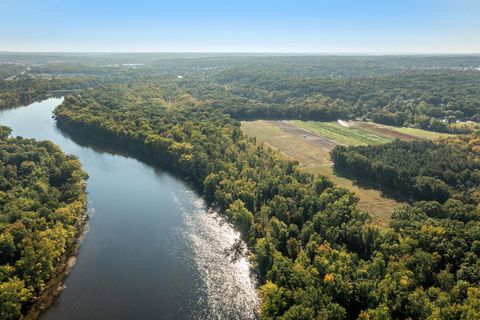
(152, 251)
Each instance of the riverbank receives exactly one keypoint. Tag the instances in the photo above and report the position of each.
(85, 135)
(153, 246)
(43, 205)
(53, 287)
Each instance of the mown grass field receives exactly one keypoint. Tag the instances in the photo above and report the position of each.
(314, 157)
(423, 134)
(351, 136)
(357, 133)
(310, 142)
(397, 132)
(288, 143)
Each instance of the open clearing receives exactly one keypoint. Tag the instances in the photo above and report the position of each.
(275, 135)
(310, 143)
(403, 133)
(313, 152)
(357, 133)
(344, 133)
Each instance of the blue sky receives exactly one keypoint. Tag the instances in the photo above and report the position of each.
(314, 26)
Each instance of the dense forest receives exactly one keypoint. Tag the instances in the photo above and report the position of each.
(316, 255)
(420, 170)
(26, 89)
(42, 211)
(438, 100)
(429, 92)
(22, 84)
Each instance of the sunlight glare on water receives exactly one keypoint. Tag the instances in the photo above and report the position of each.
(228, 284)
(153, 249)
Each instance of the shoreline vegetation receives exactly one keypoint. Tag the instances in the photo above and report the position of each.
(234, 210)
(315, 254)
(54, 286)
(26, 90)
(43, 214)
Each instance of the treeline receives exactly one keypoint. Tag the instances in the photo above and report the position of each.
(10, 70)
(41, 81)
(437, 100)
(432, 93)
(316, 255)
(42, 209)
(26, 89)
(314, 108)
(470, 143)
(420, 170)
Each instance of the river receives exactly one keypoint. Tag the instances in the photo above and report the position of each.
(152, 250)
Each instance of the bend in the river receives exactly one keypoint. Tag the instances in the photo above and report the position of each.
(153, 250)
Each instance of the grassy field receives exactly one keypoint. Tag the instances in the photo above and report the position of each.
(313, 154)
(398, 132)
(423, 134)
(288, 143)
(357, 133)
(310, 142)
(352, 136)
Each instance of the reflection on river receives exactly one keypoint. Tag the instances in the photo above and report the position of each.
(153, 251)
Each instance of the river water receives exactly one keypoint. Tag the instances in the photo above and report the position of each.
(152, 250)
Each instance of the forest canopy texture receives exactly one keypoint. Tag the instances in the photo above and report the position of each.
(42, 209)
(316, 255)
(420, 170)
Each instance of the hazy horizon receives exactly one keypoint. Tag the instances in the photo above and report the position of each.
(245, 53)
(328, 27)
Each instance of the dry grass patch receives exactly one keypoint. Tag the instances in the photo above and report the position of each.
(402, 133)
(313, 153)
